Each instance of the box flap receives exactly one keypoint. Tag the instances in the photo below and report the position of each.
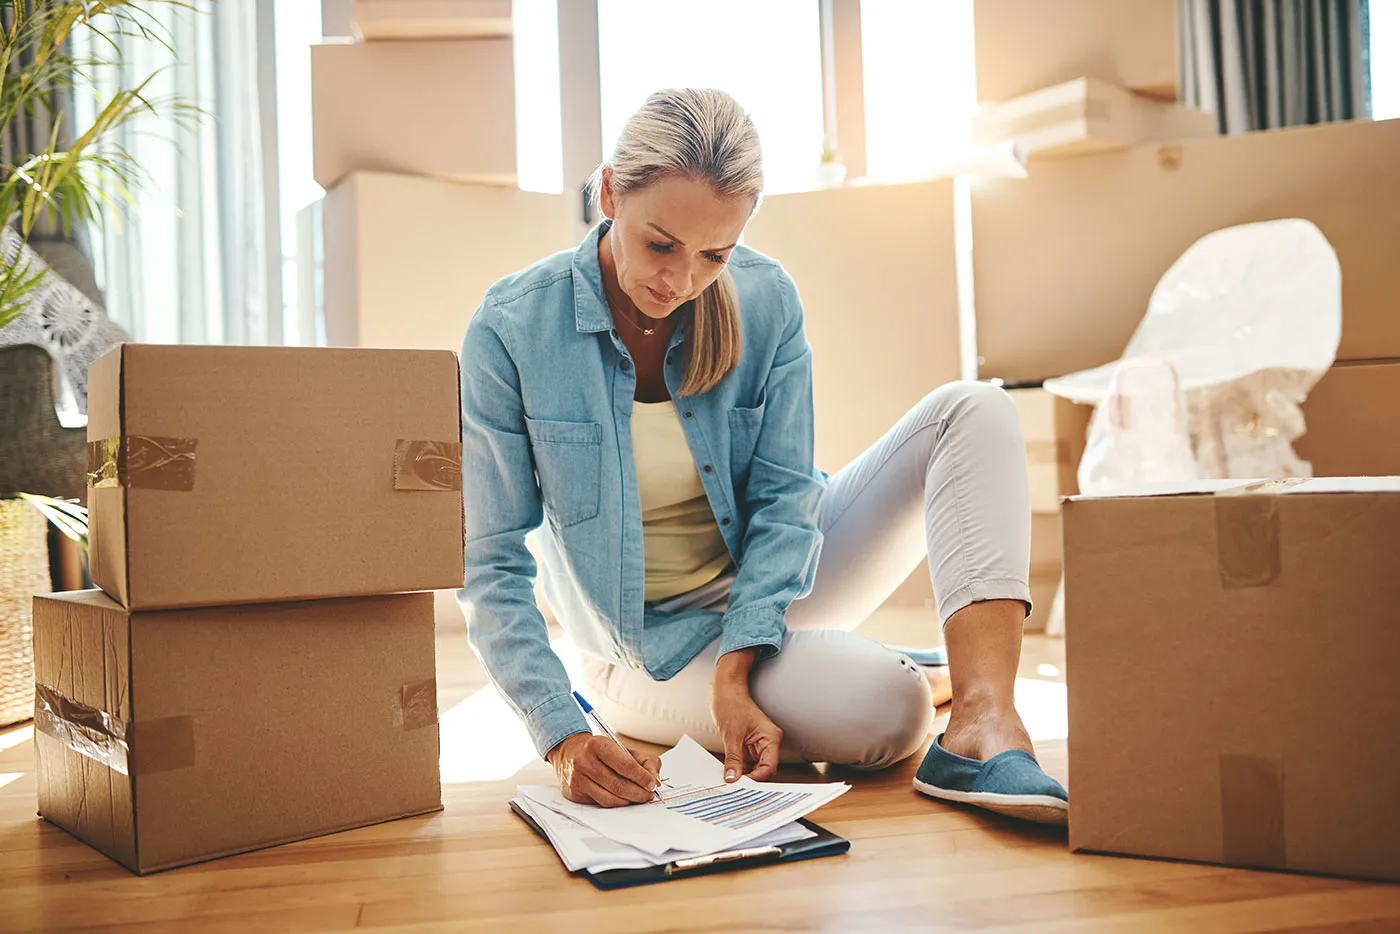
(1263, 487)
(106, 500)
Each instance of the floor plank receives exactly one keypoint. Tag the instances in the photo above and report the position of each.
(914, 865)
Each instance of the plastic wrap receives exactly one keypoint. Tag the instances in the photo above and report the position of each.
(1248, 319)
(1236, 334)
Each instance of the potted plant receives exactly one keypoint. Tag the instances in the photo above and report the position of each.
(831, 171)
(72, 183)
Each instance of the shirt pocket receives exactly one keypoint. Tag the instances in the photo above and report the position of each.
(744, 426)
(568, 462)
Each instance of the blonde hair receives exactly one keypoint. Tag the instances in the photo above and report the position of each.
(702, 134)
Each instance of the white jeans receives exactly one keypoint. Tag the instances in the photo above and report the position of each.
(948, 480)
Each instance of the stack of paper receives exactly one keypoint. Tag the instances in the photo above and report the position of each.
(698, 814)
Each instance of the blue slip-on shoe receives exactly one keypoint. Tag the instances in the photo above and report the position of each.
(1010, 783)
(932, 657)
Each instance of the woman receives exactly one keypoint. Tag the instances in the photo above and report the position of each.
(649, 396)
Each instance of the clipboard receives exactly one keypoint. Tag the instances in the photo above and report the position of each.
(825, 843)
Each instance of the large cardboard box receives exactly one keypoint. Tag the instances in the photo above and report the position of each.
(407, 260)
(1025, 45)
(225, 475)
(1353, 421)
(881, 304)
(438, 108)
(1086, 116)
(173, 737)
(1055, 430)
(431, 19)
(1232, 658)
(1066, 260)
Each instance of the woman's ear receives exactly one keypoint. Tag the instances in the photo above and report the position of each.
(606, 201)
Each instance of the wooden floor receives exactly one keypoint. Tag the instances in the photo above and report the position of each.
(915, 865)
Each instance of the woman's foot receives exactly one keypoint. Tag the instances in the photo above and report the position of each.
(981, 731)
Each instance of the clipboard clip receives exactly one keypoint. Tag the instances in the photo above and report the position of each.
(730, 856)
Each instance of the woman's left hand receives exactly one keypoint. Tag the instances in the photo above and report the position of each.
(751, 740)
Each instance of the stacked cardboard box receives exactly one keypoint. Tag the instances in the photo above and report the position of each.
(1066, 259)
(414, 139)
(1353, 421)
(254, 669)
(1232, 655)
(1079, 76)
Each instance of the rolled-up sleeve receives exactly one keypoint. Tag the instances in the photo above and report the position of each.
(502, 504)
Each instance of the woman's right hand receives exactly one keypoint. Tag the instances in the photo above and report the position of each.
(595, 770)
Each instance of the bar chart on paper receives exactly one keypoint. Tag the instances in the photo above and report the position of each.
(733, 807)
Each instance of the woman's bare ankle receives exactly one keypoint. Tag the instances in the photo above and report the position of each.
(982, 731)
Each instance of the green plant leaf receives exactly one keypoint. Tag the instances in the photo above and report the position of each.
(67, 516)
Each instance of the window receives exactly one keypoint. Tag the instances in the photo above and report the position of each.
(920, 85)
(1384, 54)
(768, 55)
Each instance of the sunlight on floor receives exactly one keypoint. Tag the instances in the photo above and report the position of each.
(7, 777)
(483, 740)
(12, 738)
(1042, 705)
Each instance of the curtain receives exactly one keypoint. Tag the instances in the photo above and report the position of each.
(188, 260)
(1261, 64)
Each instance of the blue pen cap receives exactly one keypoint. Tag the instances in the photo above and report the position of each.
(587, 707)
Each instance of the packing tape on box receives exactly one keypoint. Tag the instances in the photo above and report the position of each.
(1251, 811)
(85, 730)
(142, 462)
(1246, 533)
(427, 465)
(162, 745)
(416, 705)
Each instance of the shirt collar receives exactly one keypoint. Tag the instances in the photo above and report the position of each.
(591, 312)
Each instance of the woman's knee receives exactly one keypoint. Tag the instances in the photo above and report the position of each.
(845, 699)
(968, 397)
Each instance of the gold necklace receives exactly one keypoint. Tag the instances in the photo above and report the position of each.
(646, 331)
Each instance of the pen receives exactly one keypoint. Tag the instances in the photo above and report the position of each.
(597, 720)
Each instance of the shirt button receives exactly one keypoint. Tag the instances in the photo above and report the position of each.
(626, 365)
(689, 415)
(709, 469)
(636, 665)
(724, 521)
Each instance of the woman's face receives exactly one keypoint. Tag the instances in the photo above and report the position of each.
(670, 240)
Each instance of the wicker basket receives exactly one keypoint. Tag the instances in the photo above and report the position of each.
(24, 572)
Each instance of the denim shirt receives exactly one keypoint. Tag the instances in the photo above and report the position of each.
(547, 393)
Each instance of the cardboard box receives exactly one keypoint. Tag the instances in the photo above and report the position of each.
(253, 474)
(169, 738)
(1086, 116)
(1232, 663)
(407, 260)
(1025, 46)
(438, 108)
(1056, 431)
(1353, 421)
(432, 19)
(881, 308)
(1066, 260)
